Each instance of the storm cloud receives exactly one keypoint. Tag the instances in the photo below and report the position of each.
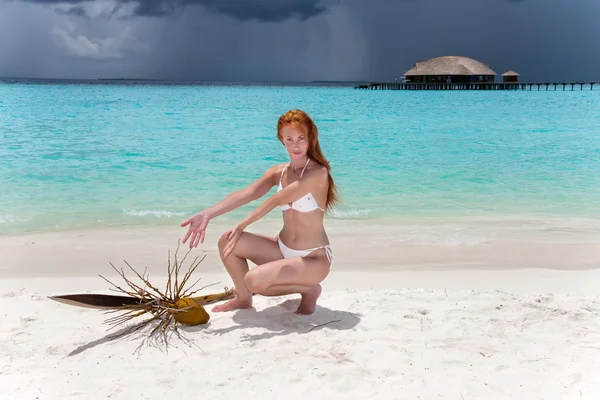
(294, 40)
(244, 10)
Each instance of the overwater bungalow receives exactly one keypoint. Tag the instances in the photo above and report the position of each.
(510, 76)
(450, 69)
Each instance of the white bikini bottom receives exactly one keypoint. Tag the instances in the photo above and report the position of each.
(289, 253)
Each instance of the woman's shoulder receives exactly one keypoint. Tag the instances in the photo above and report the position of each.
(274, 171)
(276, 168)
(317, 168)
(317, 172)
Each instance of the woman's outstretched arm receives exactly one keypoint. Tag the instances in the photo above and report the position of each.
(254, 191)
(199, 222)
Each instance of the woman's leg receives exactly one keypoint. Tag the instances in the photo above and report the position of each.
(257, 248)
(301, 275)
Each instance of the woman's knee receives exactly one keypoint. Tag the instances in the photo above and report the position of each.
(253, 282)
(223, 240)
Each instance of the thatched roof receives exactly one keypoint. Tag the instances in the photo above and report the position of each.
(510, 73)
(450, 65)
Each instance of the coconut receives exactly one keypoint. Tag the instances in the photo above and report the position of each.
(192, 313)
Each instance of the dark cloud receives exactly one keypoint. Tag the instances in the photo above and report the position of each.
(77, 11)
(227, 40)
(158, 8)
(243, 10)
(266, 10)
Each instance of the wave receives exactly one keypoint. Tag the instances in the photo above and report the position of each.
(455, 238)
(350, 214)
(7, 219)
(154, 213)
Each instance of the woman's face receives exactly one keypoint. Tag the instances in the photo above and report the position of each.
(295, 140)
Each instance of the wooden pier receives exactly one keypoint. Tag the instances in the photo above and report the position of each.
(478, 86)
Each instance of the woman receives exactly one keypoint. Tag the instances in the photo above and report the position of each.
(299, 258)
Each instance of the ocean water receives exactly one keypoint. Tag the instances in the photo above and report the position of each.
(84, 155)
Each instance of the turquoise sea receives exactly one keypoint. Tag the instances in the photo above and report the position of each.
(97, 154)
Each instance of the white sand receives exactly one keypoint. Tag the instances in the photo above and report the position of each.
(512, 313)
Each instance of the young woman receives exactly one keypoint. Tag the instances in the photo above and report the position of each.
(298, 259)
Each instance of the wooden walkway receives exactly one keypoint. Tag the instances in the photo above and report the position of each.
(478, 86)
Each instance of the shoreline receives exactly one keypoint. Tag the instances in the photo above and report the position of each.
(171, 220)
(357, 246)
(13, 226)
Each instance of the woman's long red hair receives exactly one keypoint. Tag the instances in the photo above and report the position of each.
(299, 117)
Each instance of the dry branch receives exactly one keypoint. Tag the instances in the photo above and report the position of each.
(168, 308)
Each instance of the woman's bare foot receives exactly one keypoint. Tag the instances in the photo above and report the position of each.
(233, 304)
(309, 301)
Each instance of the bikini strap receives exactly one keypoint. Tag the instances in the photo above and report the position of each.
(328, 251)
(307, 161)
(282, 171)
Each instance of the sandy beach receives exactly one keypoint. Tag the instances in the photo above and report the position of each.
(443, 310)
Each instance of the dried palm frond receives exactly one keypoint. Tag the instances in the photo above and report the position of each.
(168, 307)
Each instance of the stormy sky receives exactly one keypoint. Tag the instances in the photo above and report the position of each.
(294, 40)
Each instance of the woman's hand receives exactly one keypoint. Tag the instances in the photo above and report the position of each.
(233, 237)
(197, 229)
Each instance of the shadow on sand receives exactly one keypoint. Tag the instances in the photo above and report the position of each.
(144, 337)
(280, 320)
(108, 338)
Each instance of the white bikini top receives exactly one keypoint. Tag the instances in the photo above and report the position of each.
(303, 204)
